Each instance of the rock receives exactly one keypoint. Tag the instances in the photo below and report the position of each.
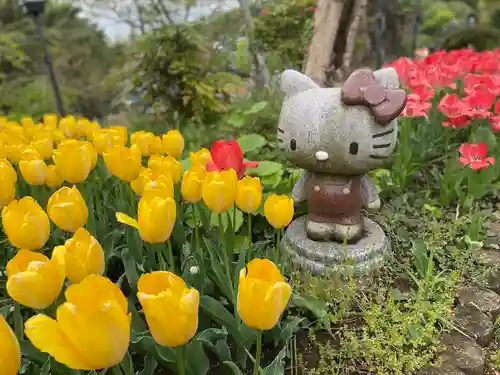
(488, 257)
(443, 370)
(496, 214)
(360, 258)
(494, 281)
(475, 323)
(484, 299)
(495, 228)
(464, 354)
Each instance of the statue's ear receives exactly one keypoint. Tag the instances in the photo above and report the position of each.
(293, 82)
(387, 77)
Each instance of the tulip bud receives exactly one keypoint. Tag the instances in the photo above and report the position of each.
(165, 165)
(170, 307)
(137, 185)
(83, 256)
(201, 157)
(262, 294)
(10, 352)
(93, 154)
(7, 171)
(124, 162)
(88, 128)
(192, 182)
(54, 179)
(157, 146)
(33, 168)
(108, 137)
(68, 126)
(7, 192)
(67, 209)
(156, 218)
(144, 140)
(73, 160)
(279, 210)
(50, 120)
(44, 146)
(92, 330)
(161, 186)
(219, 190)
(26, 224)
(248, 194)
(33, 280)
(173, 143)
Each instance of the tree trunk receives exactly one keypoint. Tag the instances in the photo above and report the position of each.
(358, 13)
(260, 72)
(326, 24)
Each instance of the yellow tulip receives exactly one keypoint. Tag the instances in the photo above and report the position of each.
(122, 131)
(161, 186)
(73, 160)
(173, 143)
(3, 121)
(7, 171)
(201, 157)
(192, 181)
(33, 280)
(44, 146)
(93, 154)
(166, 165)
(144, 140)
(26, 224)
(67, 209)
(10, 352)
(33, 168)
(106, 138)
(123, 162)
(83, 256)
(137, 185)
(248, 194)
(92, 330)
(54, 179)
(219, 190)
(14, 152)
(157, 146)
(7, 192)
(170, 307)
(27, 122)
(262, 294)
(50, 120)
(68, 125)
(89, 127)
(156, 218)
(278, 210)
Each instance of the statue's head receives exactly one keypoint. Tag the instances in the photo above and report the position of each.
(345, 131)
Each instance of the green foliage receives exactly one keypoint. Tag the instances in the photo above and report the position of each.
(174, 71)
(481, 37)
(284, 30)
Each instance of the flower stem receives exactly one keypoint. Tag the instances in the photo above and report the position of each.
(196, 232)
(180, 361)
(161, 261)
(249, 222)
(258, 353)
(277, 247)
(171, 256)
(226, 257)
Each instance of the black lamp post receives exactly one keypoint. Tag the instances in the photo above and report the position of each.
(35, 8)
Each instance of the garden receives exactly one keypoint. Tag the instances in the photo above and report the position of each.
(151, 243)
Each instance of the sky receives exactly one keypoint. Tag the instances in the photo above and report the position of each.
(119, 31)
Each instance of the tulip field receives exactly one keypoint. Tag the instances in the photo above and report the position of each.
(123, 253)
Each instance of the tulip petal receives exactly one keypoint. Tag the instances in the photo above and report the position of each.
(101, 336)
(45, 334)
(265, 270)
(156, 282)
(10, 355)
(127, 220)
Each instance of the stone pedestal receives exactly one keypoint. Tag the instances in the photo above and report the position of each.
(360, 258)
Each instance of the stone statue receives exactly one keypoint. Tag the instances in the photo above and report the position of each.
(338, 135)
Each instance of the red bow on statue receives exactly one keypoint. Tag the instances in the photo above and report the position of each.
(361, 88)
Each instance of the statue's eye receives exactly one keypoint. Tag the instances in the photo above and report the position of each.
(353, 148)
(293, 145)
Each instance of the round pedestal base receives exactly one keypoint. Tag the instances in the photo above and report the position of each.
(360, 258)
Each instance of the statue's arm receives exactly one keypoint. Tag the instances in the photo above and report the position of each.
(371, 199)
(299, 191)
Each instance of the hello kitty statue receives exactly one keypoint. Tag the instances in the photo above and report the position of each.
(338, 135)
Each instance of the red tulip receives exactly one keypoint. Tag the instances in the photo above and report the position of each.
(228, 155)
(475, 156)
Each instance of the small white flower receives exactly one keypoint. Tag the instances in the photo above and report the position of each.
(193, 270)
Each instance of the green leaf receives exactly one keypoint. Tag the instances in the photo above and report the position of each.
(256, 108)
(315, 306)
(46, 367)
(273, 180)
(197, 360)
(290, 328)
(266, 168)
(150, 365)
(226, 217)
(420, 257)
(251, 142)
(221, 315)
(186, 164)
(234, 369)
(130, 267)
(138, 325)
(31, 353)
(277, 367)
